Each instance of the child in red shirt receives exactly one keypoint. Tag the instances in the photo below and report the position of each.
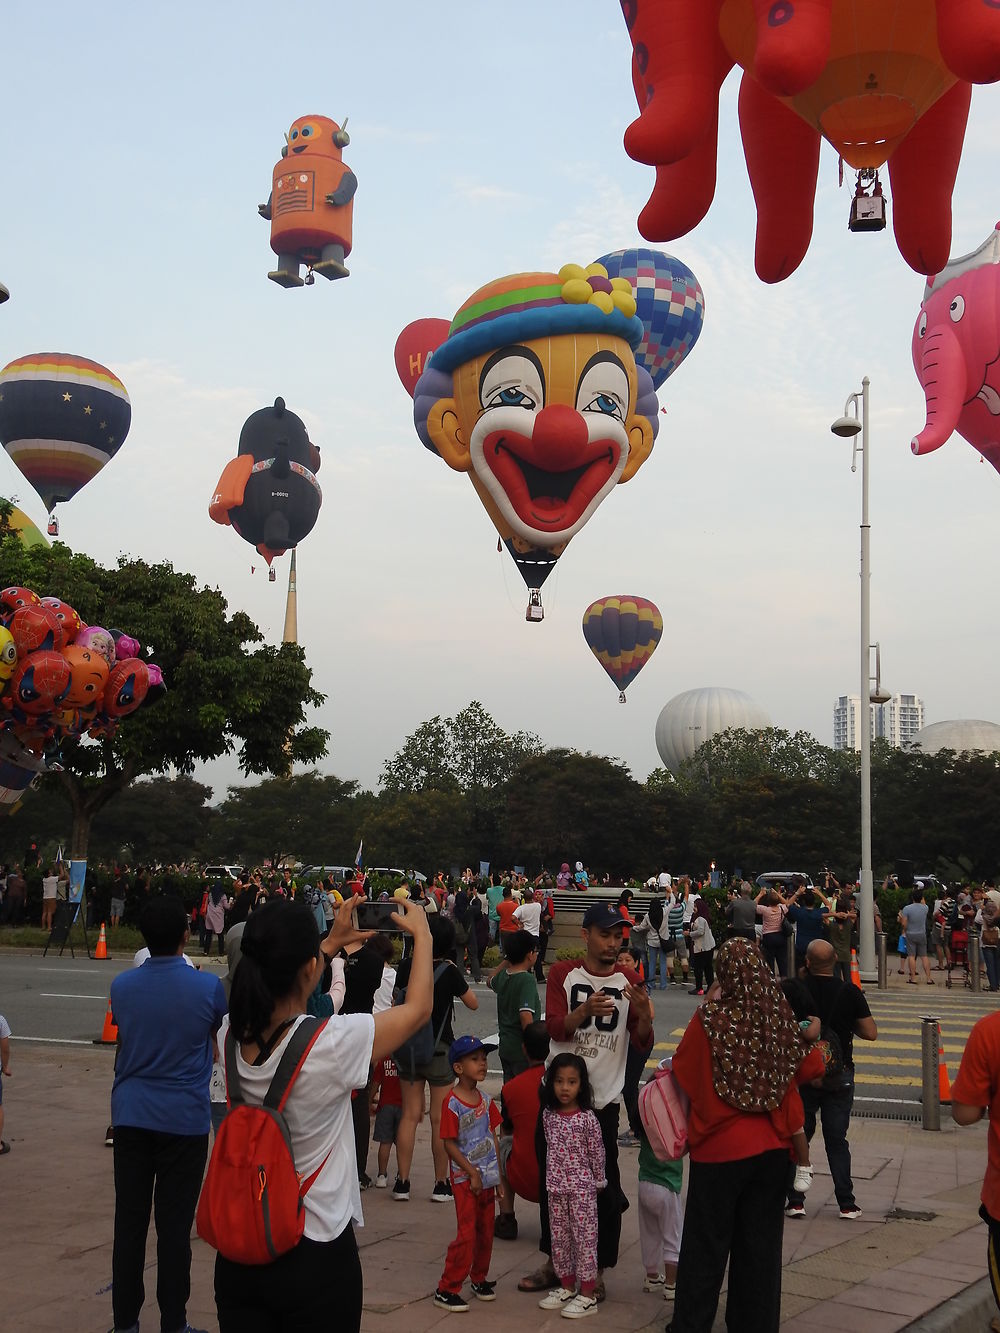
(387, 1095)
(469, 1122)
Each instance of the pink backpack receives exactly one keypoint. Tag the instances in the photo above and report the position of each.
(664, 1107)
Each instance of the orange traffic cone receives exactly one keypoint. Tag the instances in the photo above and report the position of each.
(944, 1083)
(101, 952)
(109, 1033)
(855, 970)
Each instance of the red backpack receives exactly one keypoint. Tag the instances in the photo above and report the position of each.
(251, 1206)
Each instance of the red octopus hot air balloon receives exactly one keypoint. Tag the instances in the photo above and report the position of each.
(881, 80)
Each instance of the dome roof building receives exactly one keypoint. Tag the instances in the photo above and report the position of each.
(958, 734)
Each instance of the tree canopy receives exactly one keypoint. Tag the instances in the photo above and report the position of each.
(227, 691)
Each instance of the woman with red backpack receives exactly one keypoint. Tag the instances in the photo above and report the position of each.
(282, 959)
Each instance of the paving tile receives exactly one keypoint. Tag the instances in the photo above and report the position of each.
(873, 1296)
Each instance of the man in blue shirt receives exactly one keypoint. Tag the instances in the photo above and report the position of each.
(808, 911)
(167, 1014)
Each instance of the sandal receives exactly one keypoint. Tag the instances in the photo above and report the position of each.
(930, 981)
(542, 1279)
(911, 982)
(4, 1147)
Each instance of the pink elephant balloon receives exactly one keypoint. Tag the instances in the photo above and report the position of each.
(956, 346)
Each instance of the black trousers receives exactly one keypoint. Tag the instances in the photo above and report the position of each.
(609, 1201)
(314, 1288)
(543, 944)
(704, 968)
(162, 1171)
(635, 1065)
(735, 1212)
(362, 1125)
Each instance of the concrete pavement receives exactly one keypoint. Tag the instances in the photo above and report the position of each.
(918, 1246)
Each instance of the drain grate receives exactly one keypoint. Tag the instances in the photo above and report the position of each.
(908, 1114)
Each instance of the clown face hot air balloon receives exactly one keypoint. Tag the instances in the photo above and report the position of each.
(880, 80)
(622, 632)
(535, 394)
(670, 303)
(62, 418)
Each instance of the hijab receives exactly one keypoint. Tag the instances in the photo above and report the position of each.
(217, 894)
(755, 1040)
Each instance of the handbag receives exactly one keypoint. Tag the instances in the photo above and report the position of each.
(664, 1108)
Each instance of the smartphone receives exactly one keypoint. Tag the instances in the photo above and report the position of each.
(376, 916)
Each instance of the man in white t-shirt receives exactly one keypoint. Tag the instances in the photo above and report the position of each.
(529, 916)
(664, 881)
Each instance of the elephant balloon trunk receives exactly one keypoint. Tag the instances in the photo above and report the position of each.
(941, 370)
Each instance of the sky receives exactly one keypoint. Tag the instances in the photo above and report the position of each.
(139, 143)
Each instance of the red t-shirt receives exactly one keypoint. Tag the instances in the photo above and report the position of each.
(978, 1084)
(386, 1079)
(521, 1106)
(718, 1132)
(506, 908)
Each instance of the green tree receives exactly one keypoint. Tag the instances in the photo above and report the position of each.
(468, 752)
(161, 820)
(313, 817)
(562, 805)
(424, 830)
(226, 690)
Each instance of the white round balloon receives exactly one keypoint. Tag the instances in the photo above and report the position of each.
(692, 718)
(959, 735)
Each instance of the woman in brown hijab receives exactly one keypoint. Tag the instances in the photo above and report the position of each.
(737, 1061)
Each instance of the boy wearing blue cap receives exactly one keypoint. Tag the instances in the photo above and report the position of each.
(469, 1122)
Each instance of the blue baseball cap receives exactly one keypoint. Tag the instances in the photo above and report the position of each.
(464, 1046)
(605, 916)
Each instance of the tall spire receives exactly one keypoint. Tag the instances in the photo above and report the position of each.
(291, 633)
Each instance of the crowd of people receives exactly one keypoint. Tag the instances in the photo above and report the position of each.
(388, 1050)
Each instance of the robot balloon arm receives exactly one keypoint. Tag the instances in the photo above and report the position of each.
(265, 209)
(344, 192)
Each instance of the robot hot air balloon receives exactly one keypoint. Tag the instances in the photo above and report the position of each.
(622, 633)
(311, 206)
(62, 418)
(881, 80)
(269, 492)
(536, 395)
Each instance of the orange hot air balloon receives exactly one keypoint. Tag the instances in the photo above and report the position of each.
(881, 80)
(622, 632)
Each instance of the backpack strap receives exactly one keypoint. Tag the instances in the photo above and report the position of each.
(293, 1058)
(234, 1089)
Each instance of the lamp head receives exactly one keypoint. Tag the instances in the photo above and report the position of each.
(846, 427)
(880, 695)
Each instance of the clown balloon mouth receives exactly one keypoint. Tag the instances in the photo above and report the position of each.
(546, 497)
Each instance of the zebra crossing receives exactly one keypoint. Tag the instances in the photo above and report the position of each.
(889, 1069)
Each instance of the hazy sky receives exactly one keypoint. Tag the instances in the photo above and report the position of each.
(139, 142)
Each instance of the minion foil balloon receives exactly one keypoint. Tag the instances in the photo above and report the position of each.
(535, 393)
(311, 204)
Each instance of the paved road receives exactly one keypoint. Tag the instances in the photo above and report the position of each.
(64, 1000)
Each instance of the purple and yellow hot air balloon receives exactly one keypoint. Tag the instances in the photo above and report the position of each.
(62, 418)
(622, 632)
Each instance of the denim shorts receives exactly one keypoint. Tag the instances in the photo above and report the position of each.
(386, 1124)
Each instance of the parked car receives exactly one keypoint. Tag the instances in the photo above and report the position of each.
(394, 870)
(782, 880)
(310, 874)
(223, 872)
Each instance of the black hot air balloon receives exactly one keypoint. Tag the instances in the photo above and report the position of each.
(269, 492)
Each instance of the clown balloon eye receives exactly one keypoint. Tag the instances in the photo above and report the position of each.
(510, 397)
(608, 406)
(957, 308)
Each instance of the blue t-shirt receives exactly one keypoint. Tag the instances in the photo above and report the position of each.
(808, 925)
(166, 1014)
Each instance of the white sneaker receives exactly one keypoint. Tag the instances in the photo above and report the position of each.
(381, 1182)
(556, 1299)
(579, 1307)
(803, 1179)
(653, 1283)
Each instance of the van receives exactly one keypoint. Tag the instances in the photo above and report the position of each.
(222, 872)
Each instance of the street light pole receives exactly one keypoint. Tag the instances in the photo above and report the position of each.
(850, 427)
(867, 931)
